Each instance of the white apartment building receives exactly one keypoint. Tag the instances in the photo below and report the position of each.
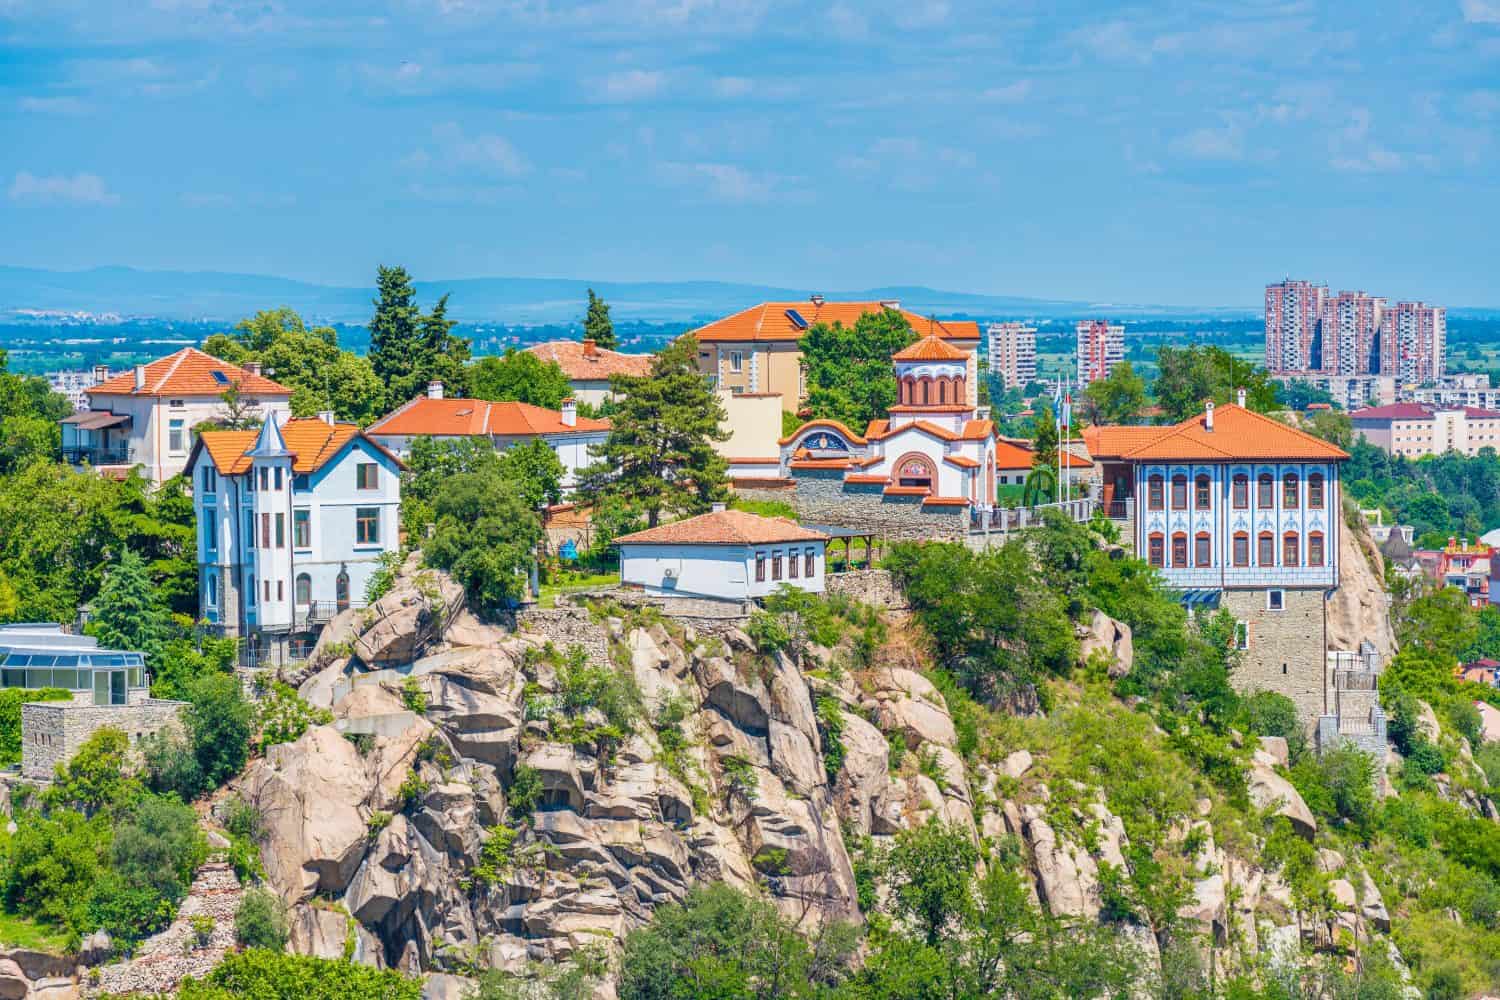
(1100, 347)
(1350, 392)
(1417, 429)
(1012, 353)
(1464, 389)
(291, 524)
(146, 416)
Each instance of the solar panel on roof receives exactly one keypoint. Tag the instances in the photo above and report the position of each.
(220, 377)
(796, 319)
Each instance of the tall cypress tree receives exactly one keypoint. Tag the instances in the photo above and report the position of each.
(597, 325)
(659, 454)
(396, 337)
(444, 356)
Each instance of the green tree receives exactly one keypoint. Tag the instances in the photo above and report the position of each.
(95, 779)
(849, 374)
(1118, 399)
(930, 870)
(220, 723)
(659, 454)
(267, 974)
(159, 846)
(129, 612)
(260, 921)
(486, 535)
(29, 412)
(520, 376)
(535, 470)
(409, 349)
(1186, 376)
(596, 323)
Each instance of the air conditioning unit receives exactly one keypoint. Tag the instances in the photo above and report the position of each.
(670, 574)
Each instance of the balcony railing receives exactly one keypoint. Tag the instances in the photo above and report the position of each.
(319, 612)
(1121, 510)
(1007, 519)
(96, 455)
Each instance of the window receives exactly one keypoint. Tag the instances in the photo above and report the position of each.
(300, 482)
(277, 478)
(301, 529)
(1241, 635)
(1289, 490)
(792, 564)
(262, 478)
(1315, 548)
(776, 564)
(210, 529)
(213, 590)
(341, 591)
(304, 590)
(736, 361)
(1179, 549)
(1154, 499)
(210, 479)
(760, 567)
(265, 531)
(281, 531)
(1265, 497)
(1201, 493)
(1241, 549)
(1179, 492)
(366, 476)
(250, 589)
(1265, 554)
(1289, 547)
(176, 404)
(1315, 491)
(810, 559)
(267, 585)
(249, 530)
(1275, 600)
(177, 436)
(1201, 549)
(1241, 491)
(280, 591)
(367, 526)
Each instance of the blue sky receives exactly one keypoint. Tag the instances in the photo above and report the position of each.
(1182, 153)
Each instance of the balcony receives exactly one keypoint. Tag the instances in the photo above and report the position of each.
(97, 455)
(319, 612)
(1121, 510)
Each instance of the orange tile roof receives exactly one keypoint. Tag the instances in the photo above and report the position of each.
(930, 348)
(830, 424)
(1238, 435)
(1013, 456)
(474, 417)
(582, 362)
(907, 491)
(189, 372)
(860, 477)
(819, 463)
(769, 321)
(977, 430)
(945, 502)
(724, 527)
(312, 443)
(962, 461)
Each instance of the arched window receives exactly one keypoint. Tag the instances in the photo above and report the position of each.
(1241, 491)
(1179, 549)
(1315, 491)
(1265, 491)
(213, 589)
(341, 591)
(1289, 491)
(1154, 493)
(1179, 492)
(926, 391)
(1202, 492)
(1241, 548)
(1289, 547)
(1202, 549)
(303, 590)
(942, 385)
(1315, 547)
(1154, 553)
(1265, 549)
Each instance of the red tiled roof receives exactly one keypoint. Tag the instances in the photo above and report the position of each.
(907, 491)
(1395, 411)
(312, 443)
(819, 463)
(860, 477)
(583, 361)
(930, 348)
(473, 417)
(945, 502)
(769, 322)
(962, 461)
(189, 372)
(1013, 456)
(724, 527)
(1238, 435)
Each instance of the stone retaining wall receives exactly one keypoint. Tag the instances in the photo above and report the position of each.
(566, 626)
(51, 732)
(822, 497)
(876, 587)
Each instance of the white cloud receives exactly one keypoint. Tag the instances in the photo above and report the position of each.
(1225, 143)
(489, 152)
(630, 85)
(1481, 11)
(1373, 160)
(1011, 93)
(720, 181)
(847, 23)
(52, 105)
(80, 189)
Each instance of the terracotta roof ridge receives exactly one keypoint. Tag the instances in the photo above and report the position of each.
(177, 360)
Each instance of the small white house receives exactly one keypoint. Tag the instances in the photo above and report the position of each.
(728, 554)
(291, 524)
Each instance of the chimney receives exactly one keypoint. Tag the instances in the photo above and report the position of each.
(327, 417)
(140, 378)
(718, 507)
(253, 367)
(570, 412)
(1208, 416)
(590, 348)
(890, 303)
(434, 389)
(101, 373)
(817, 299)
(1240, 396)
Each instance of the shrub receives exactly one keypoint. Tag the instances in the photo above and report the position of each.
(412, 790)
(159, 845)
(1339, 785)
(831, 730)
(95, 779)
(220, 723)
(203, 930)
(740, 778)
(495, 858)
(260, 921)
(376, 824)
(1270, 713)
(412, 695)
(525, 791)
(283, 716)
(271, 975)
(380, 582)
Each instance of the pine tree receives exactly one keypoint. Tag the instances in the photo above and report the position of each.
(129, 612)
(396, 337)
(659, 454)
(444, 356)
(597, 325)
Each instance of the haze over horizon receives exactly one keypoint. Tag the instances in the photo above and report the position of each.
(1181, 157)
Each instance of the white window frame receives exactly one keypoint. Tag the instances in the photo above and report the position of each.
(1241, 635)
(178, 426)
(737, 361)
(1276, 599)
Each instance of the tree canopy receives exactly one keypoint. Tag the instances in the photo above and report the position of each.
(409, 348)
(1117, 399)
(485, 534)
(520, 376)
(1186, 376)
(849, 373)
(597, 325)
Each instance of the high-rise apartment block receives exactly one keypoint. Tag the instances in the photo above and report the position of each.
(1413, 339)
(1101, 346)
(1310, 332)
(1013, 353)
(1294, 310)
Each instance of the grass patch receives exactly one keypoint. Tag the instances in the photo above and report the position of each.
(22, 932)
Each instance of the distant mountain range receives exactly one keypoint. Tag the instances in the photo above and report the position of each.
(127, 291)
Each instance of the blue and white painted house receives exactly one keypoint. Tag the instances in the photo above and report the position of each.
(291, 524)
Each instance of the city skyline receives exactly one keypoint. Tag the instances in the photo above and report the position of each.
(1025, 152)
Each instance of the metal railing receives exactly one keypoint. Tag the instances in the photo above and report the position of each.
(1007, 519)
(319, 612)
(96, 455)
(1355, 680)
(1121, 510)
(274, 654)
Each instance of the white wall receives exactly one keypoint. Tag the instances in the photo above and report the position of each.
(572, 449)
(721, 571)
(151, 421)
